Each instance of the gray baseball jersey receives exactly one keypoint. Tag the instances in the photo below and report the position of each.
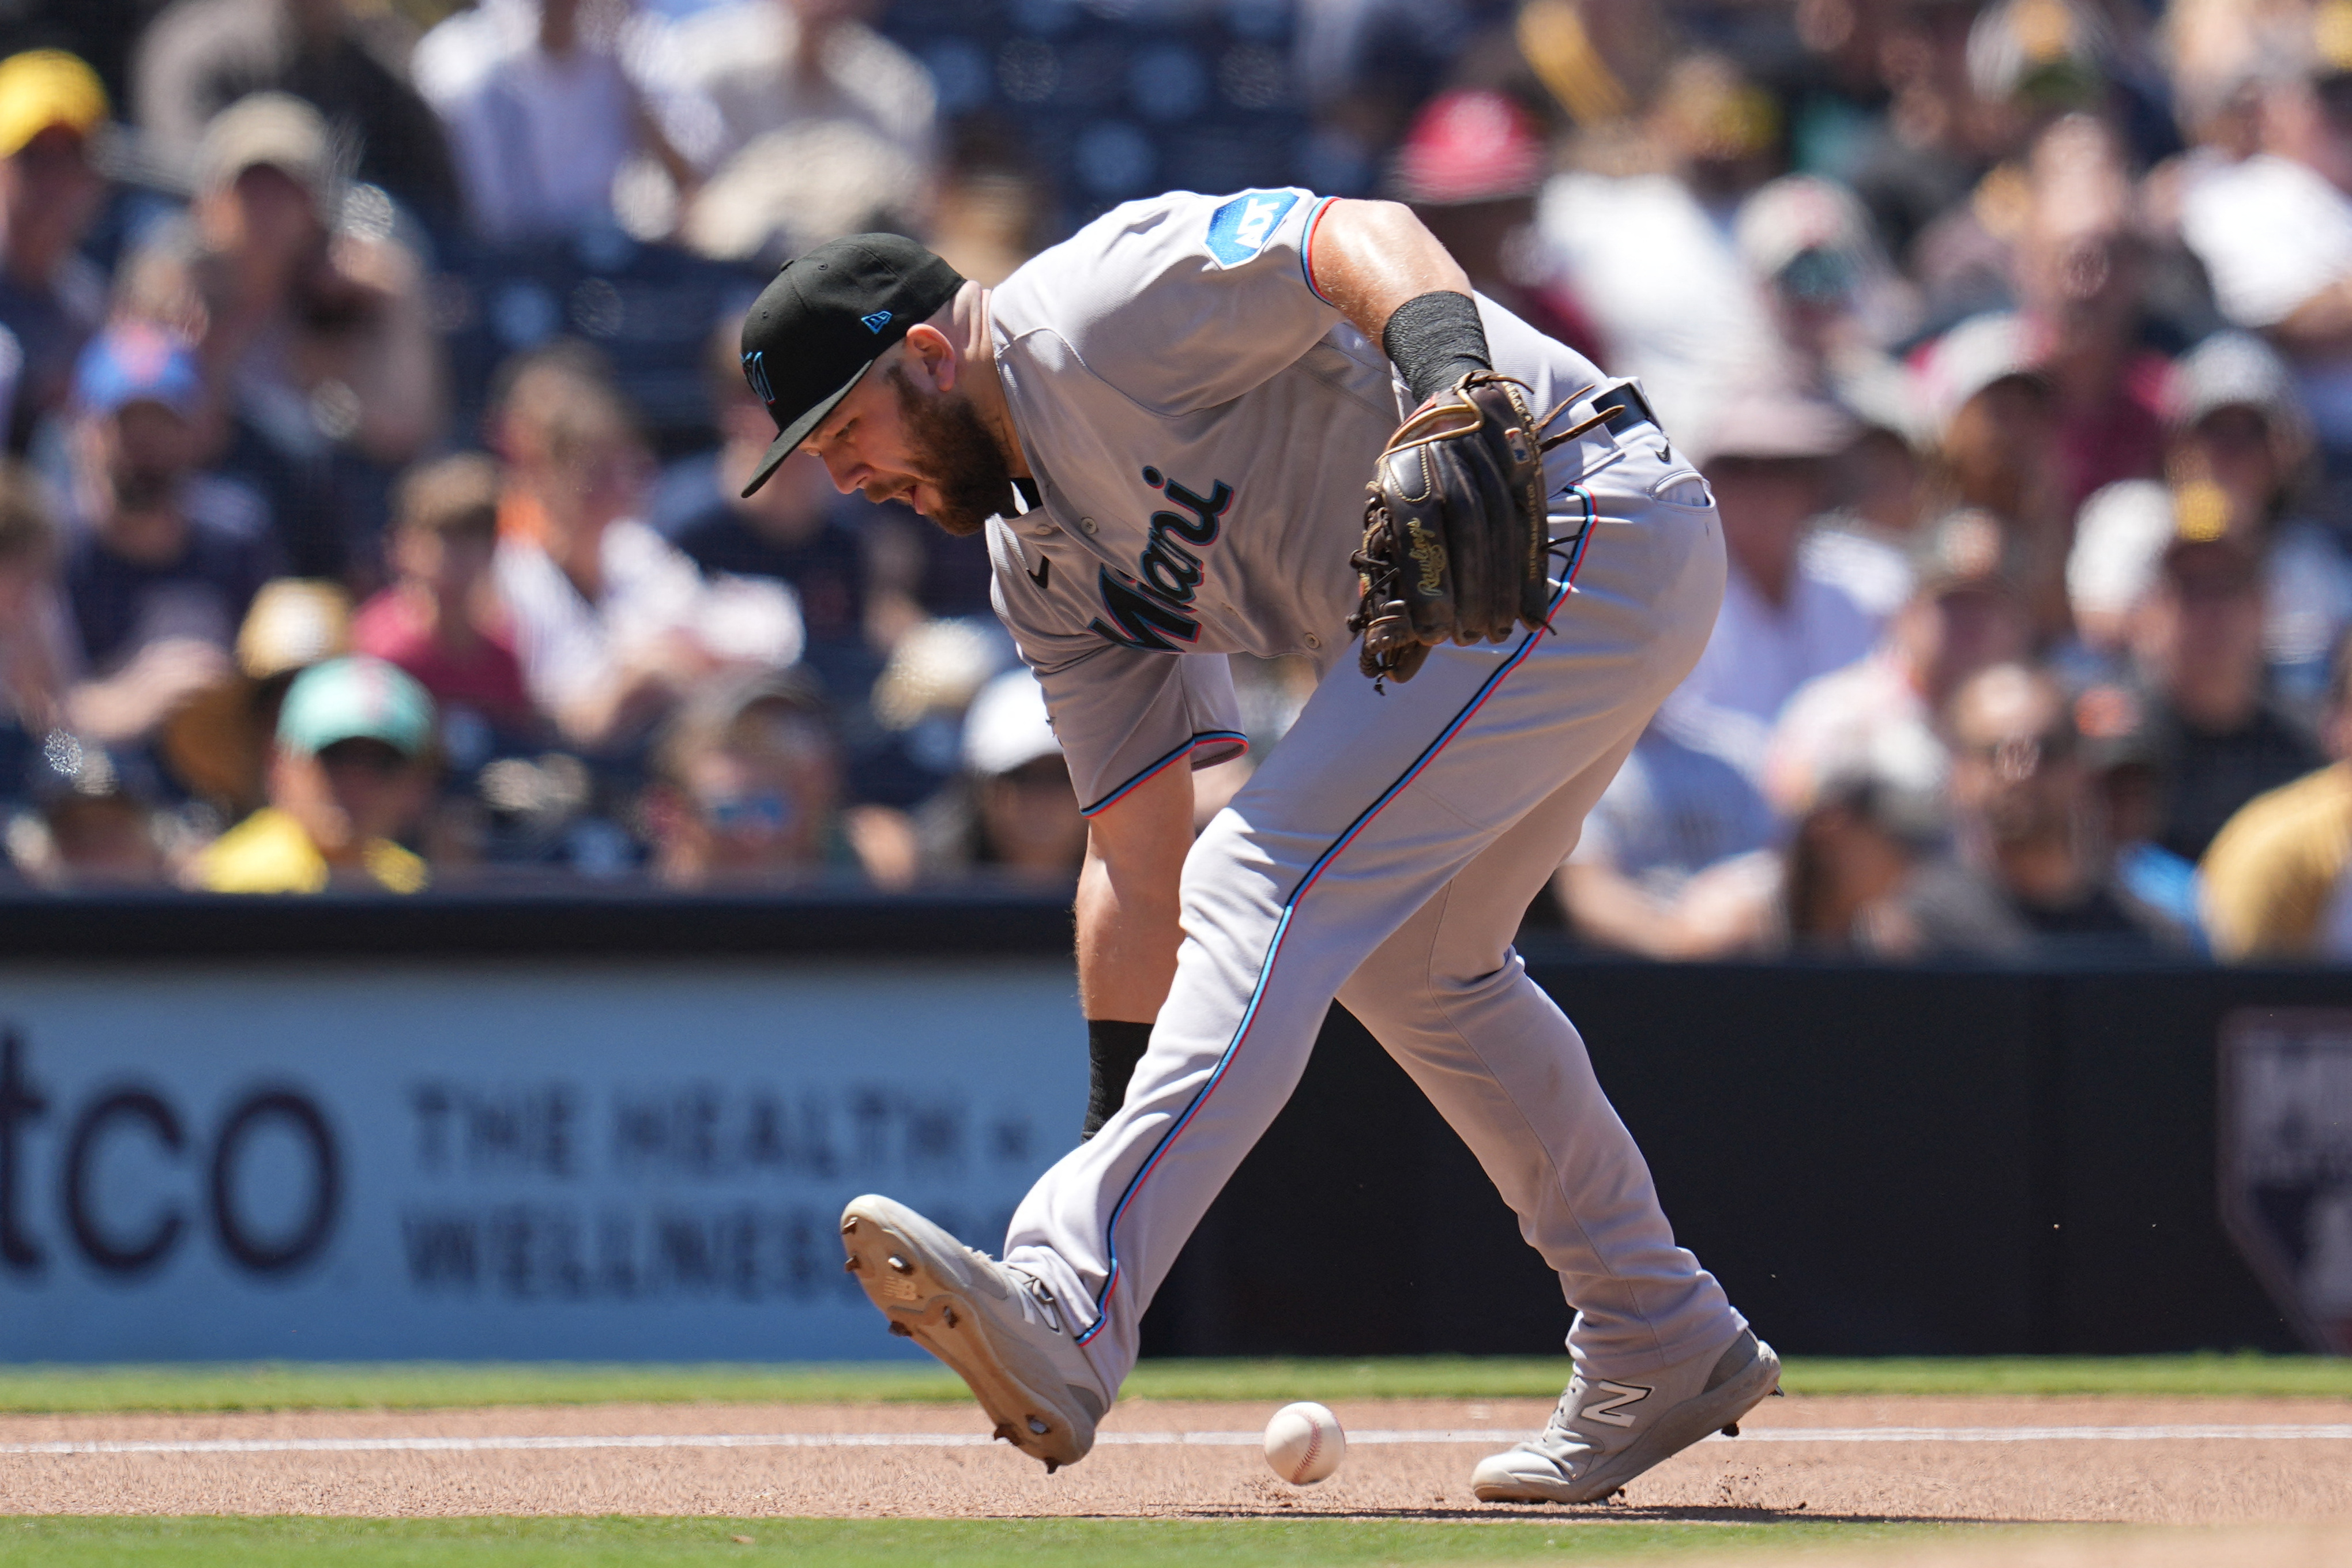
(1201, 422)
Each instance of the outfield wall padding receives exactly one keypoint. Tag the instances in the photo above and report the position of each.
(1875, 1161)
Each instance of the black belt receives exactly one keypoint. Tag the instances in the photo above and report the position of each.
(1629, 412)
(1632, 410)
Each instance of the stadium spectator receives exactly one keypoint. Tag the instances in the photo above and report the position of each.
(1913, 149)
(541, 115)
(1965, 614)
(1996, 422)
(1863, 544)
(1470, 168)
(2081, 267)
(35, 646)
(1836, 301)
(2209, 721)
(2020, 483)
(2241, 440)
(2272, 883)
(51, 297)
(989, 214)
(350, 775)
(611, 624)
(315, 341)
(439, 619)
(1767, 458)
(2275, 230)
(2032, 863)
(93, 824)
(1012, 812)
(1849, 857)
(1824, 886)
(919, 701)
(796, 530)
(1648, 875)
(746, 792)
(217, 742)
(199, 57)
(158, 580)
(2026, 67)
(2119, 541)
(806, 121)
(746, 69)
(1650, 254)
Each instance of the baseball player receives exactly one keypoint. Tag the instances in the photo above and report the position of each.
(1165, 426)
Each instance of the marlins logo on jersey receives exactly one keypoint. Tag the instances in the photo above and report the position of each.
(1146, 610)
(1239, 229)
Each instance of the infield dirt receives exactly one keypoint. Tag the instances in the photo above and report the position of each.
(2159, 1480)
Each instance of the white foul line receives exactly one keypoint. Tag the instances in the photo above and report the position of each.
(1372, 1437)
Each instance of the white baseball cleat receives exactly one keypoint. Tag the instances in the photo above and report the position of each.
(1604, 1433)
(997, 1328)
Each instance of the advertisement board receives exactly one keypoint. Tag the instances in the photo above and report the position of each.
(529, 1159)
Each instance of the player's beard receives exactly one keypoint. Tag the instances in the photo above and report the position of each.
(955, 455)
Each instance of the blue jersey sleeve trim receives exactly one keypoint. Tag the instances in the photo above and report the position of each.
(1230, 742)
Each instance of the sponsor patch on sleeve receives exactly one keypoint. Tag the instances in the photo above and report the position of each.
(1240, 229)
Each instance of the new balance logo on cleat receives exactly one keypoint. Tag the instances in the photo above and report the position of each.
(1611, 1410)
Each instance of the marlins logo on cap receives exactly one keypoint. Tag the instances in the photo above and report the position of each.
(755, 371)
(824, 322)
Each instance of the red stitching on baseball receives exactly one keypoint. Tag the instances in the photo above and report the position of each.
(1306, 1460)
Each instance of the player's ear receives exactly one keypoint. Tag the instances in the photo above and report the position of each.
(930, 356)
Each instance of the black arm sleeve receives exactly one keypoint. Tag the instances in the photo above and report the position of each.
(1434, 340)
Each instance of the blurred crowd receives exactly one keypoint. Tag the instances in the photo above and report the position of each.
(369, 515)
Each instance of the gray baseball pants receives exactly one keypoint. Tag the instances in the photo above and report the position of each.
(1384, 855)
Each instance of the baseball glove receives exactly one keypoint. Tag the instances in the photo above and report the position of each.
(1456, 544)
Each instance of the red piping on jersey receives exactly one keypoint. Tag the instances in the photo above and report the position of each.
(1205, 739)
(1307, 249)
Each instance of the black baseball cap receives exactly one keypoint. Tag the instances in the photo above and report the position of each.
(828, 317)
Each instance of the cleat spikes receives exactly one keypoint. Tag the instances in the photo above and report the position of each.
(901, 1330)
(900, 1264)
(1732, 1430)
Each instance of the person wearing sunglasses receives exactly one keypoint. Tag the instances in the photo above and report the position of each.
(747, 787)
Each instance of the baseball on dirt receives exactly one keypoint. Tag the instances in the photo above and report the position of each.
(1304, 1443)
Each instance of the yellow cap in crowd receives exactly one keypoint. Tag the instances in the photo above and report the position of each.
(42, 87)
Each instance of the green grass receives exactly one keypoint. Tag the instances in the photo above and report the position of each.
(280, 1386)
(214, 1542)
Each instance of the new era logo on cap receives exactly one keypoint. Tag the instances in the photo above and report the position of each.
(875, 323)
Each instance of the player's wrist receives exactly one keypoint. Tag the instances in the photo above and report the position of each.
(1434, 340)
(1113, 1048)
